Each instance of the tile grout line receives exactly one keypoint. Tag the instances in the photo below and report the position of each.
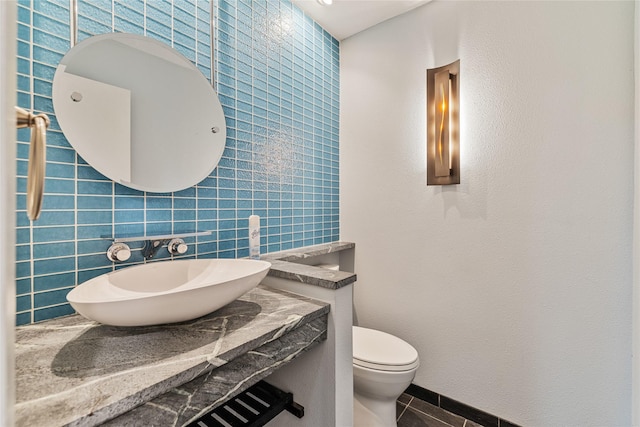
(405, 409)
(31, 230)
(435, 418)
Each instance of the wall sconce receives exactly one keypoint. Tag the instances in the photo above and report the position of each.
(443, 134)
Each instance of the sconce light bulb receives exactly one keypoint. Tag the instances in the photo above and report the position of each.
(443, 107)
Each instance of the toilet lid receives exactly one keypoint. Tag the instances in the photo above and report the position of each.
(381, 351)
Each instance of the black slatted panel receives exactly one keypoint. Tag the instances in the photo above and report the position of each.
(233, 404)
(265, 399)
(264, 395)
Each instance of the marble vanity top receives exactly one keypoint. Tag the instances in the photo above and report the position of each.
(72, 371)
(289, 265)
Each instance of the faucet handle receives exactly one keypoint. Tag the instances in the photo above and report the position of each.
(177, 247)
(118, 252)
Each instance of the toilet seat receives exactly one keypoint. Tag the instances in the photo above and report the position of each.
(380, 351)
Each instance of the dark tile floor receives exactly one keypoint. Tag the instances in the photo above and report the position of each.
(413, 412)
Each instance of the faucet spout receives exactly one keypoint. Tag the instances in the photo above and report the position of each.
(151, 247)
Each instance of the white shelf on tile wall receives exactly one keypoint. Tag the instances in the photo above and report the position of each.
(125, 239)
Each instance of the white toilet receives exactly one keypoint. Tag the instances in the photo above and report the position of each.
(383, 367)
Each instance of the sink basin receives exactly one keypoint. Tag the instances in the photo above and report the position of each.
(166, 292)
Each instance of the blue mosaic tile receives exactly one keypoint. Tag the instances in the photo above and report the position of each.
(89, 173)
(46, 56)
(280, 95)
(55, 36)
(159, 31)
(56, 218)
(92, 261)
(122, 25)
(88, 27)
(53, 312)
(53, 234)
(23, 303)
(24, 16)
(23, 269)
(85, 275)
(50, 266)
(94, 231)
(57, 139)
(184, 215)
(49, 298)
(128, 12)
(184, 226)
(125, 202)
(93, 246)
(23, 318)
(23, 252)
(52, 250)
(94, 202)
(158, 227)
(24, 67)
(155, 215)
(129, 216)
(136, 229)
(50, 10)
(95, 217)
(24, 49)
(57, 170)
(62, 155)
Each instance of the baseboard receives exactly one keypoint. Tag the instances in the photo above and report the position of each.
(458, 408)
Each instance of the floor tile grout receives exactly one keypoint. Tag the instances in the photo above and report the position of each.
(435, 418)
(415, 399)
(405, 409)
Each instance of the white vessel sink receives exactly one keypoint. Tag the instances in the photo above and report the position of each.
(166, 292)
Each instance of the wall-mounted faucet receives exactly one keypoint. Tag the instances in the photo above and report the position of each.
(119, 251)
(151, 247)
(175, 246)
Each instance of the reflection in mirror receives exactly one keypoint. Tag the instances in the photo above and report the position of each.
(139, 112)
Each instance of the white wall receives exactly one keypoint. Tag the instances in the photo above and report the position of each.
(7, 203)
(516, 285)
(321, 380)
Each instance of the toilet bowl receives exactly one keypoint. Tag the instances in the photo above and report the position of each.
(383, 367)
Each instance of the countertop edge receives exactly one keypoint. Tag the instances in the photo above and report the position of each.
(284, 266)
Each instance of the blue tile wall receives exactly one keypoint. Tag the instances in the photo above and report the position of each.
(277, 75)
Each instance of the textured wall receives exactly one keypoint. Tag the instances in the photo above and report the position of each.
(514, 286)
(277, 77)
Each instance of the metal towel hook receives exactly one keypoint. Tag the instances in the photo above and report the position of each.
(37, 158)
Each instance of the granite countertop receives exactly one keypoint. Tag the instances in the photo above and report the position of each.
(73, 371)
(286, 265)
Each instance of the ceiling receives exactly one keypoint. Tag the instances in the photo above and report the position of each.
(345, 18)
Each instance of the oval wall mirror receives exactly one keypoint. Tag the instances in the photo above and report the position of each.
(139, 112)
